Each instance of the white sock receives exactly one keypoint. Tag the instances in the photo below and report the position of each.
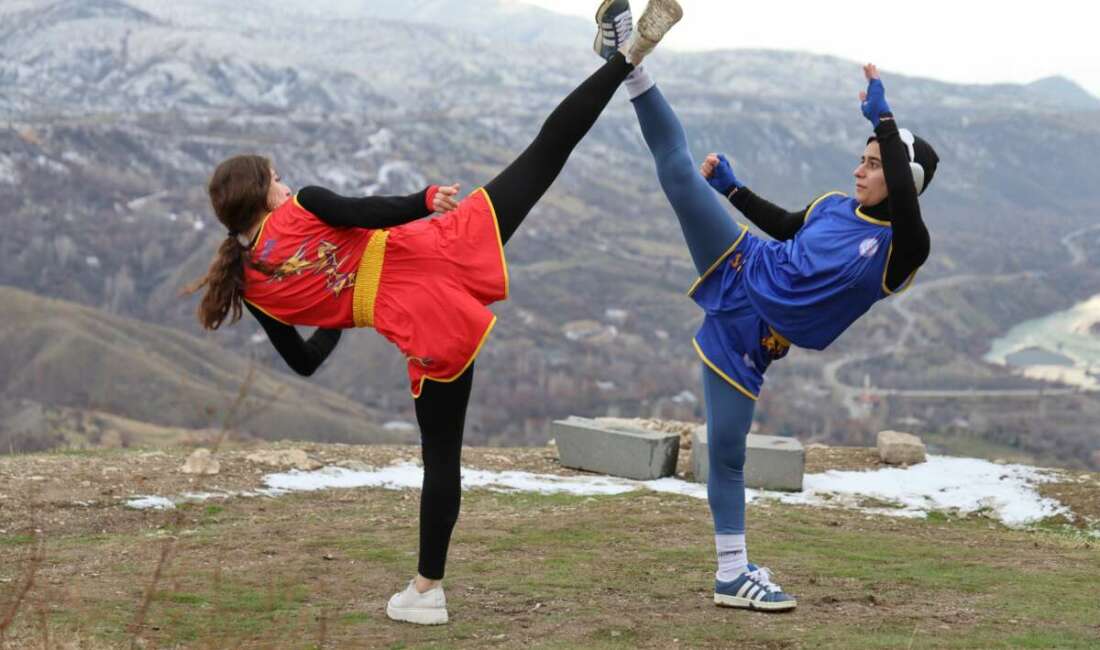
(638, 82)
(733, 557)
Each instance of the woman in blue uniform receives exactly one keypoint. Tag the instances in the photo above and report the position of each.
(825, 266)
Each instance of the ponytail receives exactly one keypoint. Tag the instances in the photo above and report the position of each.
(238, 193)
(224, 283)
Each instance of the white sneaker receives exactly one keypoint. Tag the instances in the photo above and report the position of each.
(659, 17)
(411, 606)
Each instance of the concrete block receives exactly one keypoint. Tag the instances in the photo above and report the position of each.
(629, 453)
(771, 462)
(896, 448)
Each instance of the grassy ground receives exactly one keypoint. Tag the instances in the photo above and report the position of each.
(314, 570)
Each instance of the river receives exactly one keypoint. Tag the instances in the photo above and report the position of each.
(1058, 347)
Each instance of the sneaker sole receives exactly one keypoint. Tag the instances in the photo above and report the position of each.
(657, 19)
(420, 616)
(723, 600)
(598, 45)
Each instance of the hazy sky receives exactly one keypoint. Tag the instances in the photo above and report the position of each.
(978, 41)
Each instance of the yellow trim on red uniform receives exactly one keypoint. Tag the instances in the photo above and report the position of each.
(810, 210)
(721, 374)
(266, 312)
(721, 258)
(904, 285)
(484, 337)
(368, 278)
(260, 232)
(500, 239)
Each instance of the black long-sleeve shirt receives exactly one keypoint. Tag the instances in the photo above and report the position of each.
(901, 208)
(305, 356)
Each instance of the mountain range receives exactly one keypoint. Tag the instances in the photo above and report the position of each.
(114, 113)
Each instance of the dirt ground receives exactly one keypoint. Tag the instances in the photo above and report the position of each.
(525, 571)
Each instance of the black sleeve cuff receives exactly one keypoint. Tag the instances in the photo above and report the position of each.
(886, 128)
(741, 198)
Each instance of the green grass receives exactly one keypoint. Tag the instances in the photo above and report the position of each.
(16, 540)
(556, 571)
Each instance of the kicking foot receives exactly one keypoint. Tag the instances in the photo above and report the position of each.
(615, 24)
(659, 17)
(411, 606)
(753, 589)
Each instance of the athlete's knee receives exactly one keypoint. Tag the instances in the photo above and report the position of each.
(675, 167)
(729, 457)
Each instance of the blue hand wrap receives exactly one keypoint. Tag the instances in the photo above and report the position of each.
(875, 106)
(724, 180)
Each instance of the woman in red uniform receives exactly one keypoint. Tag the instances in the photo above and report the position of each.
(331, 262)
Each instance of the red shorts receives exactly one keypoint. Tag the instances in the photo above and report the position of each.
(437, 278)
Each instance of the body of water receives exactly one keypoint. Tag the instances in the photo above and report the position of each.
(1058, 347)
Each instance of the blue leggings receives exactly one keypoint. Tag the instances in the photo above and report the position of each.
(710, 232)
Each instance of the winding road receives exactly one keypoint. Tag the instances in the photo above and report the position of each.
(851, 396)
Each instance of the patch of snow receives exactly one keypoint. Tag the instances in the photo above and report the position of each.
(685, 397)
(411, 476)
(960, 485)
(150, 503)
(8, 174)
(956, 485)
(51, 165)
(399, 425)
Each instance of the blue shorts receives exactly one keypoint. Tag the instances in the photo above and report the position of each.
(734, 341)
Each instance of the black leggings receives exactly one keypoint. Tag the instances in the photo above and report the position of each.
(441, 407)
(520, 186)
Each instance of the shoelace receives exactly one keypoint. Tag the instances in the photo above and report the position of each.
(763, 576)
(624, 23)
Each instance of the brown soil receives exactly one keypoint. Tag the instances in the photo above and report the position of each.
(314, 570)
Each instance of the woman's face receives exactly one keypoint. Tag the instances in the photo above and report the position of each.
(277, 193)
(870, 179)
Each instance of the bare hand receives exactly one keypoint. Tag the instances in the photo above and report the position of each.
(709, 165)
(870, 71)
(446, 198)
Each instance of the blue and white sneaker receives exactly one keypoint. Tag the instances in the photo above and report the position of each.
(753, 589)
(615, 25)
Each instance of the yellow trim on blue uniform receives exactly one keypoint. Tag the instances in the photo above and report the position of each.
(500, 239)
(368, 278)
(868, 219)
(469, 362)
(904, 285)
(266, 312)
(721, 374)
(810, 210)
(718, 262)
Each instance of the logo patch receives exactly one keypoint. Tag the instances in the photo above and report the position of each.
(868, 247)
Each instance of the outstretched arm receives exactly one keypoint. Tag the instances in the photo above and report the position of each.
(376, 211)
(911, 241)
(779, 224)
(303, 357)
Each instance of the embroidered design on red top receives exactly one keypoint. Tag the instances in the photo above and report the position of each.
(325, 261)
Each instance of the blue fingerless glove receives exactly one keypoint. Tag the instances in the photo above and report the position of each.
(724, 180)
(875, 106)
